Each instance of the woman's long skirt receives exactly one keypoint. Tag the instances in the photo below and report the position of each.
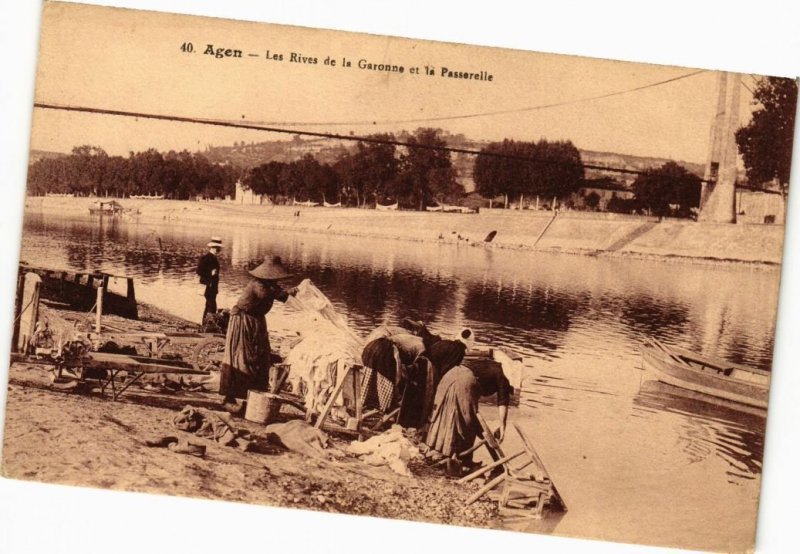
(454, 420)
(382, 363)
(246, 362)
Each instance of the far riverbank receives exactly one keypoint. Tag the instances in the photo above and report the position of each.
(569, 232)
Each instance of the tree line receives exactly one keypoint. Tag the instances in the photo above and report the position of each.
(377, 170)
(420, 172)
(89, 170)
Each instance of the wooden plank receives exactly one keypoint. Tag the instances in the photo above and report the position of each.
(674, 357)
(538, 461)
(281, 380)
(486, 488)
(466, 452)
(332, 399)
(119, 362)
(131, 358)
(495, 450)
(385, 419)
(501, 462)
(141, 368)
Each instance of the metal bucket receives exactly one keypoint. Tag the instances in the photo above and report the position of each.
(262, 407)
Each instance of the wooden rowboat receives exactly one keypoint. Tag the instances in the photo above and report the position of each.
(716, 378)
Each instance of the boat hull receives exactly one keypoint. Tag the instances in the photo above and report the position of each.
(679, 369)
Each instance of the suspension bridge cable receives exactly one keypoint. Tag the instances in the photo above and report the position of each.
(483, 114)
(353, 138)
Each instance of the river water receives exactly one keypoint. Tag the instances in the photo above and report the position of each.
(632, 464)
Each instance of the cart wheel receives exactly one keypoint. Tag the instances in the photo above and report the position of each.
(207, 355)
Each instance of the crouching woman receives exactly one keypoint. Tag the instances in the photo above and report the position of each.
(246, 362)
(454, 421)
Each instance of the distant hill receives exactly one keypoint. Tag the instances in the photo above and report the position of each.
(628, 161)
(36, 155)
(252, 154)
(328, 151)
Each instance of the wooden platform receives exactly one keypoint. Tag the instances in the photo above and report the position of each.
(78, 290)
(111, 370)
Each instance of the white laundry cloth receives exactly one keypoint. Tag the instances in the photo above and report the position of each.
(326, 349)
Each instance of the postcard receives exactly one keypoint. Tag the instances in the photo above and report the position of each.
(267, 266)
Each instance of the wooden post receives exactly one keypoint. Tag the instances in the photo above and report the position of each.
(29, 312)
(97, 326)
(546, 227)
(17, 310)
(356, 374)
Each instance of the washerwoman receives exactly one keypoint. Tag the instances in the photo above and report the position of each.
(245, 365)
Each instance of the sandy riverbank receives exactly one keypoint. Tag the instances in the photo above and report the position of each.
(570, 232)
(81, 437)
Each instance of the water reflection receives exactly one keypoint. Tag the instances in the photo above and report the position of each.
(651, 317)
(708, 427)
(577, 320)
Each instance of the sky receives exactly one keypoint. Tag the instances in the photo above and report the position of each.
(134, 61)
(745, 37)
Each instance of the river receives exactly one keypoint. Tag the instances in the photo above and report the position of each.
(633, 465)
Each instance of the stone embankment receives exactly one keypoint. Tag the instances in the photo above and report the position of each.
(568, 232)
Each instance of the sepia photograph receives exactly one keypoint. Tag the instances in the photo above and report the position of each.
(273, 273)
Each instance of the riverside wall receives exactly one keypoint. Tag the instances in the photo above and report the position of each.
(568, 232)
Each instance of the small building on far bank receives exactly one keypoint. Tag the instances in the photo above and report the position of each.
(760, 206)
(600, 192)
(247, 196)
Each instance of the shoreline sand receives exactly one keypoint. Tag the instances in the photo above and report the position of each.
(82, 437)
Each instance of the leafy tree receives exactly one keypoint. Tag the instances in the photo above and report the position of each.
(766, 142)
(669, 184)
(290, 181)
(318, 181)
(427, 171)
(89, 170)
(264, 179)
(592, 200)
(622, 205)
(514, 169)
(558, 170)
(495, 175)
(369, 171)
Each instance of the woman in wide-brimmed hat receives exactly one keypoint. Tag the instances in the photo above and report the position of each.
(246, 363)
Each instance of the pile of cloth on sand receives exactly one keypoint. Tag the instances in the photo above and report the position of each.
(295, 435)
(204, 424)
(299, 436)
(391, 448)
(211, 425)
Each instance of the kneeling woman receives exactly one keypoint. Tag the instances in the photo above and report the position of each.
(454, 422)
(246, 362)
